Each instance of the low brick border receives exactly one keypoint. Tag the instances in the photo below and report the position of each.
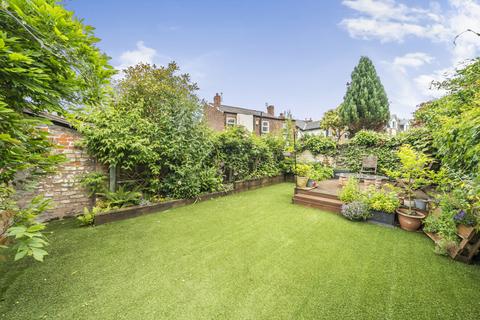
(136, 211)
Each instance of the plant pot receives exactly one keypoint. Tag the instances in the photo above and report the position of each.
(409, 222)
(383, 218)
(302, 182)
(421, 204)
(310, 183)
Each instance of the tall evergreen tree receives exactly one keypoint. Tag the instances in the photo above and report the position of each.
(365, 105)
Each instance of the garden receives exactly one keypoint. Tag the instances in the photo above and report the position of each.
(210, 246)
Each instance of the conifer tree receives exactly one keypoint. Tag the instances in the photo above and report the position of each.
(365, 105)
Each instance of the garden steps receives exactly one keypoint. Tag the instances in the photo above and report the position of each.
(318, 200)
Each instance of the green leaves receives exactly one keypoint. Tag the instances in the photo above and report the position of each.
(365, 105)
(29, 241)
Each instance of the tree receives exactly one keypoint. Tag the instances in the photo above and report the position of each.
(152, 129)
(365, 105)
(333, 122)
(48, 63)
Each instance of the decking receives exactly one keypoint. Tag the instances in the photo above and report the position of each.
(324, 196)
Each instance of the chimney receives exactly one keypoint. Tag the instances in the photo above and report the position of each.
(271, 110)
(281, 116)
(217, 100)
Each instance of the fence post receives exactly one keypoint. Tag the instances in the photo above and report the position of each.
(113, 178)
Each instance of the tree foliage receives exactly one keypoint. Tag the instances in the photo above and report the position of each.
(153, 127)
(454, 121)
(48, 62)
(333, 121)
(365, 105)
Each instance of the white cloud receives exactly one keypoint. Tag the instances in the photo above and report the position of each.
(196, 66)
(412, 60)
(394, 21)
(142, 53)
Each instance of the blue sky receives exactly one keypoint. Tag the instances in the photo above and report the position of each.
(297, 55)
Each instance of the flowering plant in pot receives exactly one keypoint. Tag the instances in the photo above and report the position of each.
(302, 172)
(383, 204)
(412, 174)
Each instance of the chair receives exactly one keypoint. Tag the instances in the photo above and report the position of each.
(369, 165)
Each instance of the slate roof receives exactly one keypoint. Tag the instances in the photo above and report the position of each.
(307, 125)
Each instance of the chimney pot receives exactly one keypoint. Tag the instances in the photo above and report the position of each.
(217, 100)
(271, 110)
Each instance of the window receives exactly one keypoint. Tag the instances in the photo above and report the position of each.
(265, 127)
(231, 121)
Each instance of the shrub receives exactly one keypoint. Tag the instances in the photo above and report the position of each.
(351, 191)
(382, 200)
(94, 182)
(88, 216)
(321, 172)
(302, 170)
(122, 198)
(368, 138)
(356, 211)
(317, 145)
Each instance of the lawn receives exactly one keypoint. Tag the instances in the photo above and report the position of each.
(252, 255)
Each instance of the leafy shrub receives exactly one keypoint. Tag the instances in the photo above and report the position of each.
(27, 232)
(382, 200)
(94, 182)
(356, 210)
(244, 155)
(350, 156)
(88, 216)
(321, 172)
(317, 145)
(351, 191)
(302, 170)
(368, 138)
(121, 198)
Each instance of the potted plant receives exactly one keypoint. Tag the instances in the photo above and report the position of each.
(412, 173)
(351, 191)
(383, 205)
(356, 211)
(302, 172)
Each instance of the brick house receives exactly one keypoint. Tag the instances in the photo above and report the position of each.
(219, 117)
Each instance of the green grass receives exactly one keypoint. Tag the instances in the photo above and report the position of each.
(252, 255)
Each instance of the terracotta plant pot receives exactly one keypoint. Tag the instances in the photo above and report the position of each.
(409, 222)
(302, 182)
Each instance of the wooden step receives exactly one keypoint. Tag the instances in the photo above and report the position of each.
(315, 193)
(317, 198)
(318, 206)
(328, 204)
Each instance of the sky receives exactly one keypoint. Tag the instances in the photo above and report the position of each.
(297, 55)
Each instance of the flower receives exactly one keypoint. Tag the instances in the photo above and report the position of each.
(459, 216)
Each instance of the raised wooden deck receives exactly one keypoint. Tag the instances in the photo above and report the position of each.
(324, 196)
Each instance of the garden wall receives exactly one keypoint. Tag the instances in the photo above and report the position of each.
(63, 187)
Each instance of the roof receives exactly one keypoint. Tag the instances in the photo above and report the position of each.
(307, 125)
(52, 117)
(240, 110)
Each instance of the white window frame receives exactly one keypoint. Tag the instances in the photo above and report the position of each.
(265, 125)
(230, 121)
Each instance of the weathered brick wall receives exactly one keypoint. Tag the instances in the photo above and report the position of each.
(63, 187)
(214, 118)
(275, 125)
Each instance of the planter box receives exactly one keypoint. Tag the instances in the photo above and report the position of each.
(135, 211)
(383, 218)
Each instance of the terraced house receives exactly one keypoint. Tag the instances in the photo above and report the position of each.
(219, 117)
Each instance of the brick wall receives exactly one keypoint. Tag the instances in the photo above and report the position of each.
(63, 187)
(275, 125)
(214, 118)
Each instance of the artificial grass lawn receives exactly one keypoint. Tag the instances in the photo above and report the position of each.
(252, 255)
